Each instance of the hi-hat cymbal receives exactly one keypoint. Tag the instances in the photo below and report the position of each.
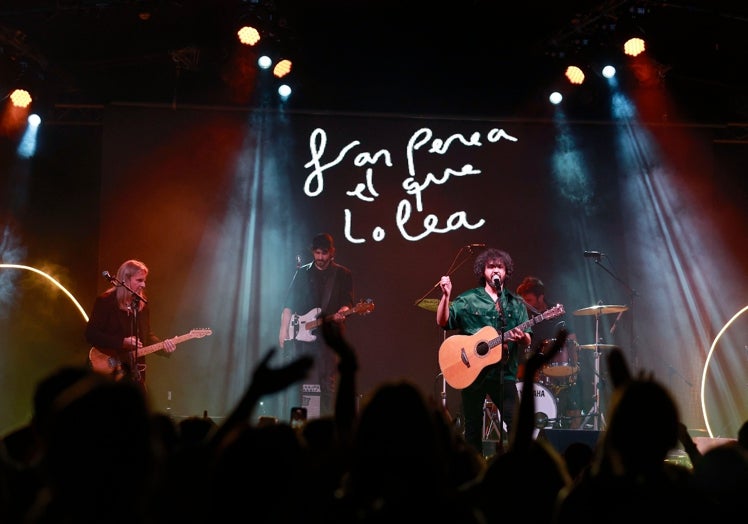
(429, 304)
(598, 346)
(600, 310)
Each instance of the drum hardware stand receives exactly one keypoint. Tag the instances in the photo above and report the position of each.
(496, 422)
(599, 309)
(598, 416)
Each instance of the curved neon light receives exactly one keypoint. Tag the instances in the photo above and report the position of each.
(706, 366)
(51, 279)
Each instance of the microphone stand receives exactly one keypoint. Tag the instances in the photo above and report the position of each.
(502, 323)
(294, 318)
(134, 307)
(632, 295)
(452, 268)
(136, 299)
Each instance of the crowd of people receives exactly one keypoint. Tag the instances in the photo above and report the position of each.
(94, 450)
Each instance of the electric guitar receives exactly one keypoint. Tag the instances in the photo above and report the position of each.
(300, 327)
(102, 362)
(463, 357)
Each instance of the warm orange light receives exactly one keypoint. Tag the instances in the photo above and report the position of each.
(574, 75)
(282, 68)
(634, 46)
(248, 35)
(20, 98)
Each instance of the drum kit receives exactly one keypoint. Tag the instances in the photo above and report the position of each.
(561, 372)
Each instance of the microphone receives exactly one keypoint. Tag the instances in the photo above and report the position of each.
(471, 246)
(298, 261)
(593, 254)
(108, 276)
(496, 283)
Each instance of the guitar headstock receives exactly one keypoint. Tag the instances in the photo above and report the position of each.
(200, 333)
(364, 307)
(557, 310)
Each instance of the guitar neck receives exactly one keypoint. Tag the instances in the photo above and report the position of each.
(534, 320)
(318, 322)
(545, 315)
(158, 346)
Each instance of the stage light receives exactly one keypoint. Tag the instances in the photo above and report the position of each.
(555, 98)
(20, 98)
(282, 68)
(248, 35)
(634, 46)
(264, 62)
(284, 91)
(609, 71)
(575, 75)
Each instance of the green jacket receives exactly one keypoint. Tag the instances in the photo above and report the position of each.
(474, 309)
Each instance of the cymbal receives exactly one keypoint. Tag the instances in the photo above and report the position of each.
(598, 346)
(429, 304)
(600, 310)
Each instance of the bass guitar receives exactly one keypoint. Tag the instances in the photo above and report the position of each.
(301, 326)
(463, 357)
(104, 361)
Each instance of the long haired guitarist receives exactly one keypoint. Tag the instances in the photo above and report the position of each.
(120, 324)
(321, 287)
(494, 311)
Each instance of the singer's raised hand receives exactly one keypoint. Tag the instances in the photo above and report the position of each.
(446, 285)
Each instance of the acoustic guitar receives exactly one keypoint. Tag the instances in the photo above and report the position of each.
(463, 357)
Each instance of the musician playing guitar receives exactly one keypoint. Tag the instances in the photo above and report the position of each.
(321, 287)
(120, 323)
(491, 305)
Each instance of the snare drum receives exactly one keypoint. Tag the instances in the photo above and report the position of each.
(562, 368)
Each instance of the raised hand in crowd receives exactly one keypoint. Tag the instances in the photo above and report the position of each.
(522, 436)
(346, 394)
(629, 476)
(265, 381)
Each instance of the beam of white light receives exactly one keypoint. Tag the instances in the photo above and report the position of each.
(668, 228)
(51, 279)
(27, 146)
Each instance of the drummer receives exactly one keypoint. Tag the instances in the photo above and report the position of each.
(560, 375)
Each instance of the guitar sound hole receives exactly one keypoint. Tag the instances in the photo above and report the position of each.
(482, 348)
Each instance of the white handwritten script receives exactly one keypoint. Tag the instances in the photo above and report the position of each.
(415, 184)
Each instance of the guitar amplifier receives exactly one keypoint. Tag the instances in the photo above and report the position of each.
(310, 399)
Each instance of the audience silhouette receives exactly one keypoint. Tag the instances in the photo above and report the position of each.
(94, 451)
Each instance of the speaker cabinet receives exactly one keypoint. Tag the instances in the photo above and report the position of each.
(561, 438)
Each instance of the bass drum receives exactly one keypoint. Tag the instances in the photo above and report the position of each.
(546, 409)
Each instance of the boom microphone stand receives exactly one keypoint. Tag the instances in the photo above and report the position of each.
(632, 295)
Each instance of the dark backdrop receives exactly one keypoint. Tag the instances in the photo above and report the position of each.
(214, 202)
